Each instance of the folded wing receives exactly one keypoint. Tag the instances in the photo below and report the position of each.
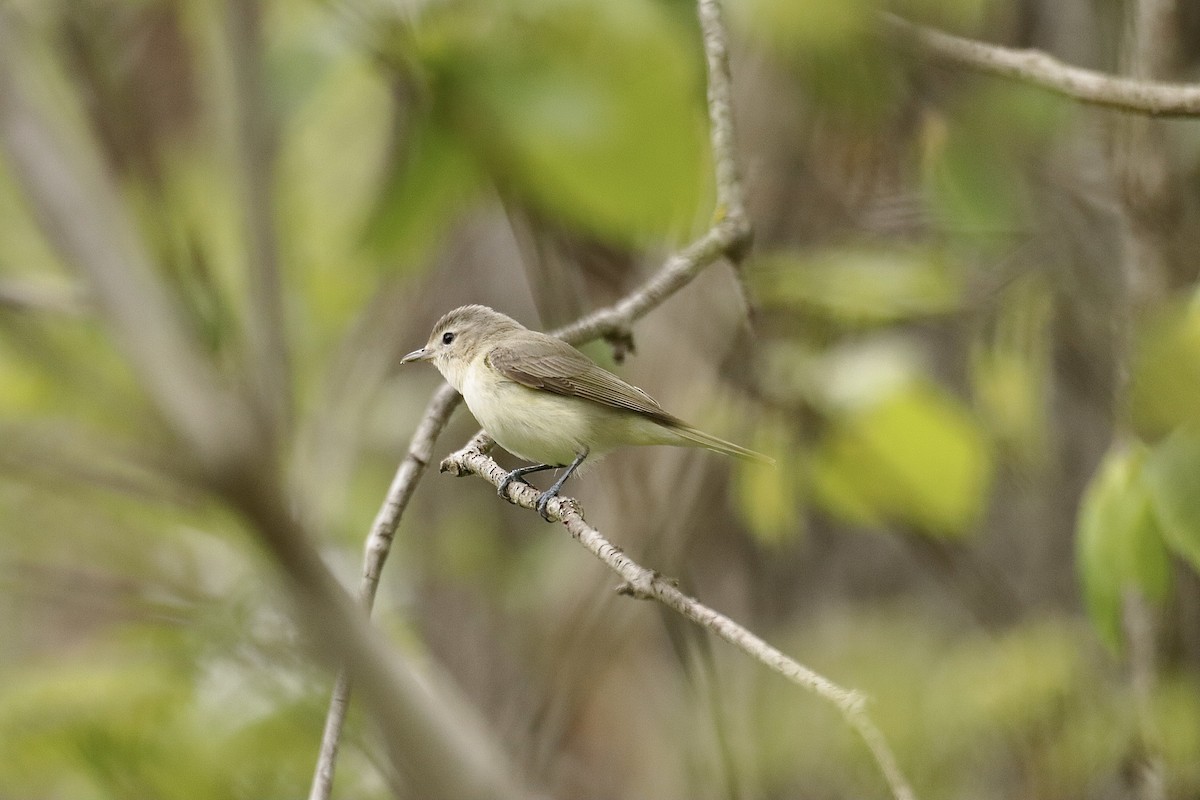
(543, 362)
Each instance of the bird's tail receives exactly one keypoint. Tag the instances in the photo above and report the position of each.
(699, 438)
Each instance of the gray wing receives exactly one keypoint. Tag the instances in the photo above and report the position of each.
(543, 362)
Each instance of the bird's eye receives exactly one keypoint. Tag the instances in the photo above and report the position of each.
(447, 337)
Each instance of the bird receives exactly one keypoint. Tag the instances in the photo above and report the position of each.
(546, 402)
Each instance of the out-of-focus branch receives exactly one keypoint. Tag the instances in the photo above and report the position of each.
(1132, 95)
(647, 584)
(1140, 624)
(1150, 193)
(266, 325)
(429, 733)
(1150, 199)
(39, 298)
(728, 237)
(79, 208)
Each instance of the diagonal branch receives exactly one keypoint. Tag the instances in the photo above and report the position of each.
(647, 584)
(1154, 98)
(379, 543)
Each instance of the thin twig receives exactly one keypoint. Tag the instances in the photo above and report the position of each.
(379, 542)
(1133, 95)
(730, 198)
(647, 584)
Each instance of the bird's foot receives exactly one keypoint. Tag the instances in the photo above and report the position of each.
(510, 479)
(543, 503)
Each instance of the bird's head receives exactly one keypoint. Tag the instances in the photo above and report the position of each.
(460, 337)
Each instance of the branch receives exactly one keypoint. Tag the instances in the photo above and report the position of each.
(266, 323)
(1135, 96)
(1150, 194)
(644, 583)
(80, 211)
(38, 297)
(730, 199)
(730, 234)
(430, 736)
(727, 237)
(379, 543)
(441, 746)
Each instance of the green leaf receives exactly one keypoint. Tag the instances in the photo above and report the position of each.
(859, 285)
(973, 156)
(1166, 371)
(914, 457)
(790, 26)
(1173, 480)
(596, 118)
(423, 191)
(832, 50)
(770, 498)
(1119, 543)
(1009, 369)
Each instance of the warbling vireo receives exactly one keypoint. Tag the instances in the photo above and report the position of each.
(544, 401)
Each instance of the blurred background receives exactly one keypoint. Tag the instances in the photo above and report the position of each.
(967, 331)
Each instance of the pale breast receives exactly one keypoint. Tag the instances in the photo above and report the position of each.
(531, 424)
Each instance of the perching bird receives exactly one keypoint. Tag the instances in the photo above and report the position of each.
(544, 401)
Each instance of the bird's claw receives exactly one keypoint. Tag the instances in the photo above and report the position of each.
(543, 505)
(509, 479)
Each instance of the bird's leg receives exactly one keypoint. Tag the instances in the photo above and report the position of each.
(518, 475)
(544, 499)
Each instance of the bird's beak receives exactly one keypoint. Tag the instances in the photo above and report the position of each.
(417, 355)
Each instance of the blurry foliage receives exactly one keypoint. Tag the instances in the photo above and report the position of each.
(1166, 370)
(771, 499)
(969, 149)
(850, 285)
(896, 448)
(923, 366)
(1171, 471)
(912, 457)
(1010, 373)
(1030, 711)
(1120, 542)
(594, 118)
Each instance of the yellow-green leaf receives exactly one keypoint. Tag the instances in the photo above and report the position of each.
(1165, 387)
(914, 457)
(1119, 543)
(1173, 480)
